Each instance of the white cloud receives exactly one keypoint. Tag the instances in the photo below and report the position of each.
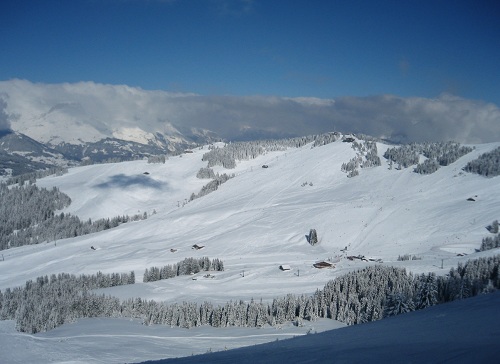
(107, 108)
(4, 117)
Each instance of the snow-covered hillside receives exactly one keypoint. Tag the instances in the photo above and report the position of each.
(460, 332)
(259, 220)
(463, 331)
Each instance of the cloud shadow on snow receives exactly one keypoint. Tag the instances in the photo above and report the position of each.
(123, 181)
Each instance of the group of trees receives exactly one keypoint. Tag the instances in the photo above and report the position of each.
(227, 156)
(185, 267)
(22, 207)
(157, 159)
(494, 227)
(428, 166)
(488, 164)
(366, 156)
(491, 242)
(33, 176)
(28, 216)
(437, 154)
(407, 257)
(403, 155)
(326, 138)
(351, 167)
(205, 173)
(444, 153)
(46, 303)
(368, 150)
(232, 152)
(211, 186)
(365, 295)
(101, 280)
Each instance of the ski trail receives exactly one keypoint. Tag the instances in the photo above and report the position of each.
(387, 209)
(155, 337)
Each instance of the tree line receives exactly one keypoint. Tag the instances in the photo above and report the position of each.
(28, 216)
(437, 154)
(33, 176)
(232, 152)
(366, 156)
(212, 185)
(49, 302)
(487, 164)
(365, 295)
(185, 267)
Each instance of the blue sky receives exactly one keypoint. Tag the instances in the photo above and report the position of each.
(323, 49)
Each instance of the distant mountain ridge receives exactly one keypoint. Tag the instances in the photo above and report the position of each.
(83, 113)
(21, 154)
(61, 125)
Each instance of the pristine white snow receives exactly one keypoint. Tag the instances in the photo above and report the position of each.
(120, 340)
(257, 221)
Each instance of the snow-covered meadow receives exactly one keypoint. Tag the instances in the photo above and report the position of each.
(254, 223)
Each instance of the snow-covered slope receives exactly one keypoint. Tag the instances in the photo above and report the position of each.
(258, 220)
(463, 331)
(460, 332)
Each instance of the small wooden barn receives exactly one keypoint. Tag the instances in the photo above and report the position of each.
(323, 264)
(285, 267)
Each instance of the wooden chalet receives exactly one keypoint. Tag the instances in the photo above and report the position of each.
(323, 264)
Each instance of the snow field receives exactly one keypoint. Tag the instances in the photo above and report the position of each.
(258, 221)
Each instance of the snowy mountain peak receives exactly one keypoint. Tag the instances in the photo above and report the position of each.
(133, 134)
(77, 114)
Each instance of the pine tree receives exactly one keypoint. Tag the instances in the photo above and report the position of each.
(397, 303)
(493, 228)
(313, 237)
(426, 291)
